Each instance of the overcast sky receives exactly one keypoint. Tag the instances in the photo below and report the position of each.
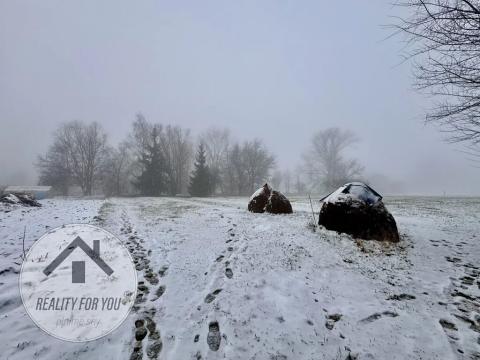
(278, 70)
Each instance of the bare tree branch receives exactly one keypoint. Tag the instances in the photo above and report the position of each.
(444, 37)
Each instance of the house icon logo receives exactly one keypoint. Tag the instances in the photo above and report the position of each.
(78, 282)
(78, 267)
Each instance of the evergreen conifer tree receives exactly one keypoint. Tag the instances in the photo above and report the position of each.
(200, 180)
(151, 181)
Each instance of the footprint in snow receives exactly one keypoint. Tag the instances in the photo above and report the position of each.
(163, 270)
(159, 292)
(331, 320)
(211, 296)
(377, 316)
(213, 337)
(401, 297)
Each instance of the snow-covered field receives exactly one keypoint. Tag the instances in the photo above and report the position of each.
(218, 282)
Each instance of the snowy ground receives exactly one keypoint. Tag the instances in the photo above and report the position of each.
(221, 283)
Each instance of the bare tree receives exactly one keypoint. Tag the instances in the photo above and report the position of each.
(77, 154)
(325, 163)
(86, 145)
(300, 186)
(287, 180)
(117, 170)
(53, 169)
(258, 162)
(444, 37)
(217, 143)
(234, 179)
(276, 179)
(247, 167)
(178, 148)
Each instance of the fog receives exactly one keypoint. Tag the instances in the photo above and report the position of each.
(279, 71)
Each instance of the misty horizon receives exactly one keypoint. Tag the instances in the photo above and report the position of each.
(277, 72)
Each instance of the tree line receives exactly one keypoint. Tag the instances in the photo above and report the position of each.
(156, 159)
(153, 160)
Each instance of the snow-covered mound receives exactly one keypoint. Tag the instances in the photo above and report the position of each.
(354, 190)
(358, 210)
(266, 199)
(9, 199)
(19, 199)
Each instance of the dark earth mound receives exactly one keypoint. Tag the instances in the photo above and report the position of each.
(278, 204)
(266, 199)
(346, 212)
(259, 199)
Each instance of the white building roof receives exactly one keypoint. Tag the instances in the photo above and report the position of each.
(33, 188)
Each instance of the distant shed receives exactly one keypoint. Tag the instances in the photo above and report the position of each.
(39, 192)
